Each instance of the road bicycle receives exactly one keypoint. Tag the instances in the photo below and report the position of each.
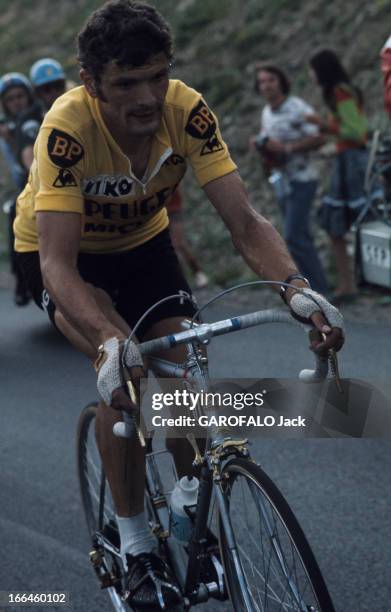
(247, 548)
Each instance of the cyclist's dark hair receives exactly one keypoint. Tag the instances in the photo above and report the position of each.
(330, 73)
(125, 32)
(278, 72)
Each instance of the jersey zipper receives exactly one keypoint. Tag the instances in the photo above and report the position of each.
(144, 183)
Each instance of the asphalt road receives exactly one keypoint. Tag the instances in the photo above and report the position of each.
(339, 489)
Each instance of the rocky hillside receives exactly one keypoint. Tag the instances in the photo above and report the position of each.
(217, 43)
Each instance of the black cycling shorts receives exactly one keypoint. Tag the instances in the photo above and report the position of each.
(134, 280)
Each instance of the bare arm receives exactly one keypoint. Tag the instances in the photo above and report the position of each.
(260, 245)
(59, 241)
(308, 143)
(255, 238)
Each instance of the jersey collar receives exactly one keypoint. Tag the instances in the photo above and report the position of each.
(160, 151)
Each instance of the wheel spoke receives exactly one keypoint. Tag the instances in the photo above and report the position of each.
(276, 575)
(282, 561)
(272, 593)
(94, 469)
(92, 474)
(265, 576)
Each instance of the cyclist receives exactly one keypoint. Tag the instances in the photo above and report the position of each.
(16, 96)
(92, 232)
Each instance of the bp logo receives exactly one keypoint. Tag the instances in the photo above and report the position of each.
(63, 149)
(201, 122)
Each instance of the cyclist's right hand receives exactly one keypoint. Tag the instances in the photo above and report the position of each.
(311, 308)
(110, 375)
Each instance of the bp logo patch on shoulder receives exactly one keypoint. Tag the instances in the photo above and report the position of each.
(63, 149)
(201, 123)
(65, 179)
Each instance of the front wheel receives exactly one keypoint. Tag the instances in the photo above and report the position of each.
(272, 567)
(98, 505)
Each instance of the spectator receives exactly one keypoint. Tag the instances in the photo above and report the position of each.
(49, 81)
(16, 96)
(180, 244)
(347, 124)
(285, 142)
(386, 69)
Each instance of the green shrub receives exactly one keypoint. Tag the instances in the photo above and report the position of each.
(220, 87)
(250, 35)
(198, 16)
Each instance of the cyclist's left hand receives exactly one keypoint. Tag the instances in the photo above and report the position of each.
(111, 383)
(313, 309)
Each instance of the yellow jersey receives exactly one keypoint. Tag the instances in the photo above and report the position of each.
(78, 167)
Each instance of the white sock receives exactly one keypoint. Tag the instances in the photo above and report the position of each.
(135, 535)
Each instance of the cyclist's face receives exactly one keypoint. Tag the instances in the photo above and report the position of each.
(15, 100)
(268, 85)
(131, 99)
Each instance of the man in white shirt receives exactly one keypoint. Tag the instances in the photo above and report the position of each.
(285, 141)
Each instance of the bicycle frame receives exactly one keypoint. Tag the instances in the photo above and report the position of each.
(209, 479)
(195, 372)
(218, 449)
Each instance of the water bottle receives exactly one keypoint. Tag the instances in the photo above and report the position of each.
(280, 184)
(184, 495)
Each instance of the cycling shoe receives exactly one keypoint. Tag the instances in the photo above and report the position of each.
(151, 585)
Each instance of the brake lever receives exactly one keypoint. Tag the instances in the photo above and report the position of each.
(333, 360)
(133, 398)
(334, 368)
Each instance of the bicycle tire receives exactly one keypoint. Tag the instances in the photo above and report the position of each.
(86, 417)
(292, 530)
(86, 420)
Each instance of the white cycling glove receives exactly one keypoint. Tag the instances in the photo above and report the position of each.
(108, 366)
(305, 303)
